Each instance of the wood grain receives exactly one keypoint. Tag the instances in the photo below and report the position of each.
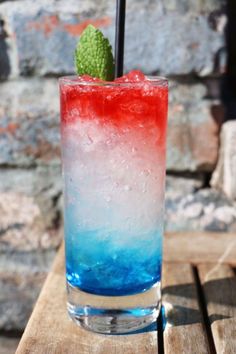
(219, 286)
(200, 247)
(50, 331)
(184, 333)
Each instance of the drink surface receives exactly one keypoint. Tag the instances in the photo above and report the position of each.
(113, 147)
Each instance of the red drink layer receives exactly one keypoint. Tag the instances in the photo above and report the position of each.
(132, 100)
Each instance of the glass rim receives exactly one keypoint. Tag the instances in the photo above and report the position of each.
(74, 80)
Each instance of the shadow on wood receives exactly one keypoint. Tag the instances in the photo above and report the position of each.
(181, 315)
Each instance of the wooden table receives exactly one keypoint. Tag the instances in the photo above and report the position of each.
(199, 298)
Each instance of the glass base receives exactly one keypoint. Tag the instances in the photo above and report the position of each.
(114, 314)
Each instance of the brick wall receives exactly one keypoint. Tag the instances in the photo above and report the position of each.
(183, 40)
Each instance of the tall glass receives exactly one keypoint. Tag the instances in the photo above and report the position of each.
(113, 153)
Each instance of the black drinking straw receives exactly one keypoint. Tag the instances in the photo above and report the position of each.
(119, 39)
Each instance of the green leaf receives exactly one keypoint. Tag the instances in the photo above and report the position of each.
(93, 55)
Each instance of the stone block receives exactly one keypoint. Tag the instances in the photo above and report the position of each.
(22, 275)
(29, 128)
(190, 208)
(30, 215)
(193, 131)
(170, 38)
(26, 262)
(17, 297)
(224, 175)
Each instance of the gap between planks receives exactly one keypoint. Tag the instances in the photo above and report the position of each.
(213, 287)
(184, 332)
(219, 287)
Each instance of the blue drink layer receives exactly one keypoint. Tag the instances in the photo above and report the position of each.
(99, 265)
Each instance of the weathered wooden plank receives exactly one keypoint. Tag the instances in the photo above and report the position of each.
(50, 331)
(184, 332)
(200, 247)
(219, 286)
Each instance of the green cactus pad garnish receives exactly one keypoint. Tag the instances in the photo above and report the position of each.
(93, 55)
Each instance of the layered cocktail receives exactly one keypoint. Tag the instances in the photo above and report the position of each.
(113, 148)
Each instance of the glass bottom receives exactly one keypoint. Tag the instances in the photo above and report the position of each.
(114, 314)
